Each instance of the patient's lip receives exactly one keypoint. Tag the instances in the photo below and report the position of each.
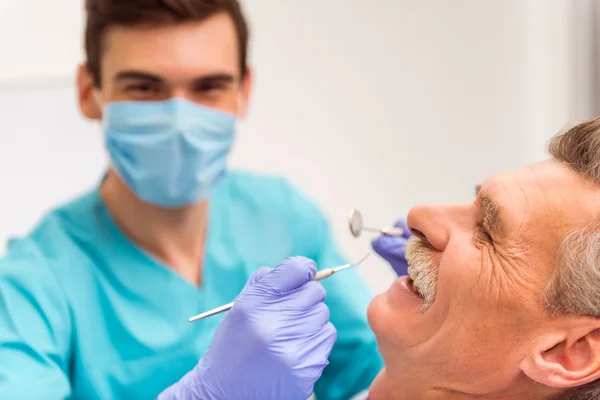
(402, 291)
(410, 286)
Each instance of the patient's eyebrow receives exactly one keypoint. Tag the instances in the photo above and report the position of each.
(491, 211)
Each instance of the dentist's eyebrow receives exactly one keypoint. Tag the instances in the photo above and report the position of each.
(202, 80)
(214, 78)
(491, 211)
(137, 75)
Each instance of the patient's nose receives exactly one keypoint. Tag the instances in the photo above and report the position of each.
(434, 223)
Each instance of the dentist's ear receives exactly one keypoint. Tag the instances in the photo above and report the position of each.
(566, 358)
(88, 103)
(244, 97)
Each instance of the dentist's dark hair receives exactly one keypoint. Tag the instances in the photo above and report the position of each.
(103, 14)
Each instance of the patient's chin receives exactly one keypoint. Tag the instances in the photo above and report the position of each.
(374, 310)
(395, 312)
(378, 313)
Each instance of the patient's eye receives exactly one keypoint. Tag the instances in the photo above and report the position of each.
(483, 234)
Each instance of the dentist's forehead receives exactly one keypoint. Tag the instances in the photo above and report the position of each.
(182, 49)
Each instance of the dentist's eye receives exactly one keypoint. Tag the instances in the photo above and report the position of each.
(141, 88)
(145, 91)
(211, 87)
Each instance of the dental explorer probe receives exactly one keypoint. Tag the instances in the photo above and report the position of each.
(326, 273)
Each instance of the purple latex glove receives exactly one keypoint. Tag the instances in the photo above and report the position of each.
(393, 248)
(273, 344)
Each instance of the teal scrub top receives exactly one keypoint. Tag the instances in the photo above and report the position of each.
(86, 314)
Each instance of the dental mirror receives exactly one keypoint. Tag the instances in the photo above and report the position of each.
(357, 226)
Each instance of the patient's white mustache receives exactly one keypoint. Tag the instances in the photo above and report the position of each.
(422, 270)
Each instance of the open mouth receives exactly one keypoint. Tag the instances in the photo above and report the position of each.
(413, 288)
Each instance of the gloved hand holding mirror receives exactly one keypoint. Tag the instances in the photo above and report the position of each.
(390, 245)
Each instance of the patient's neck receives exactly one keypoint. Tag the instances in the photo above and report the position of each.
(386, 387)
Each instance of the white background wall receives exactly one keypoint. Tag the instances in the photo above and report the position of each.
(375, 104)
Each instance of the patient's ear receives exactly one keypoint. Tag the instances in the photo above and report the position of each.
(566, 358)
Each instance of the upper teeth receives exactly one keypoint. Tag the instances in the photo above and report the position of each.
(417, 289)
(414, 282)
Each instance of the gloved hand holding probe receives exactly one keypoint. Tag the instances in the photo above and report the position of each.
(273, 344)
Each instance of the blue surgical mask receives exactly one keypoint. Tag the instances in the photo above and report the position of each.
(170, 153)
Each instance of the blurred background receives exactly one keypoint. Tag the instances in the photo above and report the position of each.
(376, 105)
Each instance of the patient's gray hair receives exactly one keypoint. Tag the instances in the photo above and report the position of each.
(575, 286)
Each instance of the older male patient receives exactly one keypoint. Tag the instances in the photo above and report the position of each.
(503, 298)
(502, 301)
